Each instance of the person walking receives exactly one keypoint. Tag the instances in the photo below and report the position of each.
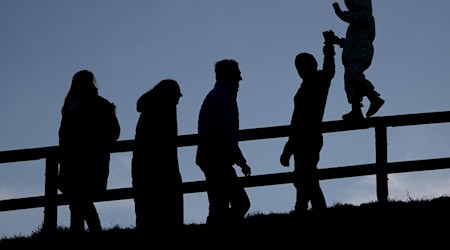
(156, 178)
(305, 139)
(218, 149)
(89, 127)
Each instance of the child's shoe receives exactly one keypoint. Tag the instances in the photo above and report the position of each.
(354, 115)
(375, 105)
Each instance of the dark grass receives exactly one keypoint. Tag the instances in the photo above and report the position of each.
(413, 223)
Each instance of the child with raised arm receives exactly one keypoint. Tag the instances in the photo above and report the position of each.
(305, 139)
(357, 55)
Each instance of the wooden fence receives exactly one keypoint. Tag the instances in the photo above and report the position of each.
(381, 168)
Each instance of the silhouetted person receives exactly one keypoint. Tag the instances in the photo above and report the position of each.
(218, 149)
(305, 138)
(89, 127)
(357, 55)
(157, 183)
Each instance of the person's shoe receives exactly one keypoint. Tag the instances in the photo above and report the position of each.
(354, 115)
(375, 105)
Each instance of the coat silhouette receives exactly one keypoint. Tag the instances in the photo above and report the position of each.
(357, 55)
(218, 149)
(88, 129)
(157, 182)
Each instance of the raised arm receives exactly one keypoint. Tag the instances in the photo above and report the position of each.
(329, 66)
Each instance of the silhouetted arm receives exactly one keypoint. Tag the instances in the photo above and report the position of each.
(352, 17)
(339, 41)
(337, 9)
(115, 124)
(329, 66)
(286, 154)
(240, 160)
(246, 170)
(288, 149)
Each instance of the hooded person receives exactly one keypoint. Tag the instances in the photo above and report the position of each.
(156, 178)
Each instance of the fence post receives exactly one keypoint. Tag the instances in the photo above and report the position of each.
(381, 163)
(51, 192)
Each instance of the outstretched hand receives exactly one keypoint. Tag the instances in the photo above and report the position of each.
(330, 37)
(284, 160)
(336, 7)
(246, 170)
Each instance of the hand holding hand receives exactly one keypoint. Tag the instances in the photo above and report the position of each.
(330, 37)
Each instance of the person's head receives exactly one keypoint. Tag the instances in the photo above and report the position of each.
(164, 95)
(168, 89)
(228, 72)
(83, 84)
(306, 65)
(83, 87)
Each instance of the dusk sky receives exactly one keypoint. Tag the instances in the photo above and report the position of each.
(132, 45)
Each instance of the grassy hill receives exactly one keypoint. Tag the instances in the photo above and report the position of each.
(413, 223)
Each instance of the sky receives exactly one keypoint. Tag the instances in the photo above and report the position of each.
(132, 45)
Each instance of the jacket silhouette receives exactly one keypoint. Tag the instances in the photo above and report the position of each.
(218, 149)
(305, 139)
(156, 179)
(357, 55)
(88, 129)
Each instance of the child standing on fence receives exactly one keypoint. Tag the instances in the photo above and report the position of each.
(357, 56)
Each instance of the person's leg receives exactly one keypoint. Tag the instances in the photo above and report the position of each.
(217, 197)
(91, 217)
(239, 200)
(179, 208)
(76, 216)
(307, 177)
(317, 198)
(356, 86)
(375, 103)
(301, 181)
(303, 193)
(169, 213)
(140, 207)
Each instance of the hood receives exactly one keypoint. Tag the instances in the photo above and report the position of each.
(146, 101)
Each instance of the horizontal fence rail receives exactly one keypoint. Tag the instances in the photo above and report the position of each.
(381, 168)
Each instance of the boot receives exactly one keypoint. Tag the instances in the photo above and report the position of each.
(375, 103)
(355, 114)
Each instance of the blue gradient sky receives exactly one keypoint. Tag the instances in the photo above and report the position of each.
(131, 45)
